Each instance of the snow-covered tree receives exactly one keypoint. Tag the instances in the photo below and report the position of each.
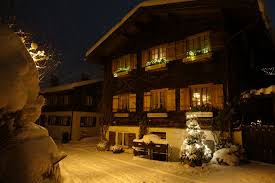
(193, 150)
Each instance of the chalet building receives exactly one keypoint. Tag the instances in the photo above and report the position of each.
(72, 110)
(166, 59)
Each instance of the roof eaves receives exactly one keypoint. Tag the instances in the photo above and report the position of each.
(128, 15)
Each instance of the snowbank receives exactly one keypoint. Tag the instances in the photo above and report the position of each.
(226, 156)
(31, 157)
(147, 139)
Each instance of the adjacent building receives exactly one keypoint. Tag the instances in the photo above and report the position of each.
(72, 110)
(167, 59)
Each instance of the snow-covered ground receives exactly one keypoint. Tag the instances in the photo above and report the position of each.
(84, 164)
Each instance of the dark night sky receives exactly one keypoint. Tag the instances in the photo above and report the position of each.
(72, 26)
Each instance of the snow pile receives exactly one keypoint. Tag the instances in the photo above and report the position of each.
(147, 139)
(117, 149)
(103, 145)
(227, 156)
(31, 157)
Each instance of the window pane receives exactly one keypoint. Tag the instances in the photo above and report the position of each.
(196, 97)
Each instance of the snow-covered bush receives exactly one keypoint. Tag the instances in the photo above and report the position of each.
(103, 145)
(117, 149)
(193, 150)
(28, 153)
(228, 156)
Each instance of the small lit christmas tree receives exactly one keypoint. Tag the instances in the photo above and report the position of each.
(193, 150)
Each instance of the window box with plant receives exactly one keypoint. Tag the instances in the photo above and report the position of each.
(122, 71)
(198, 47)
(121, 66)
(122, 113)
(156, 64)
(198, 55)
(157, 113)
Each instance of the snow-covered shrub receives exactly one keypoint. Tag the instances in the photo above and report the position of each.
(228, 156)
(28, 153)
(117, 149)
(103, 145)
(193, 150)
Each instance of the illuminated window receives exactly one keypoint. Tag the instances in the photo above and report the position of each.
(158, 99)
(158, 53)
(201, 96)
(124, 103)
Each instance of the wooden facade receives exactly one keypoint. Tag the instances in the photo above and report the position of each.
(72, 110)
(164, 59)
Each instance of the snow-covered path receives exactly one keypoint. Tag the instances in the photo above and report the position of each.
(84, 164)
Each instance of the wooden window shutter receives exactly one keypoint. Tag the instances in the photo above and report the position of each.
(112, 138)
(180, 50)
(145, 57)
(171, 51)
(146, 104)
(171, 100)
(114, 65)
(184, 99)
(216, 40)
(115, 103)
(217, 97)
(133, 61)
(132, 102)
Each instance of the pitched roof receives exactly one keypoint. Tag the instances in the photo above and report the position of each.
(69, 86)
(127, 16)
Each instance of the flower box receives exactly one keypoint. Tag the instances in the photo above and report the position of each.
(155, 67)
(157, 115)
(121, 115)
(202, 57)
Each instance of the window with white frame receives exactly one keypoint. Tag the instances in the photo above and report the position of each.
(125, 139)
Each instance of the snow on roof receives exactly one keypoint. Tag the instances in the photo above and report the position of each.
(262, 91)
(68, 86)
(127, 16)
